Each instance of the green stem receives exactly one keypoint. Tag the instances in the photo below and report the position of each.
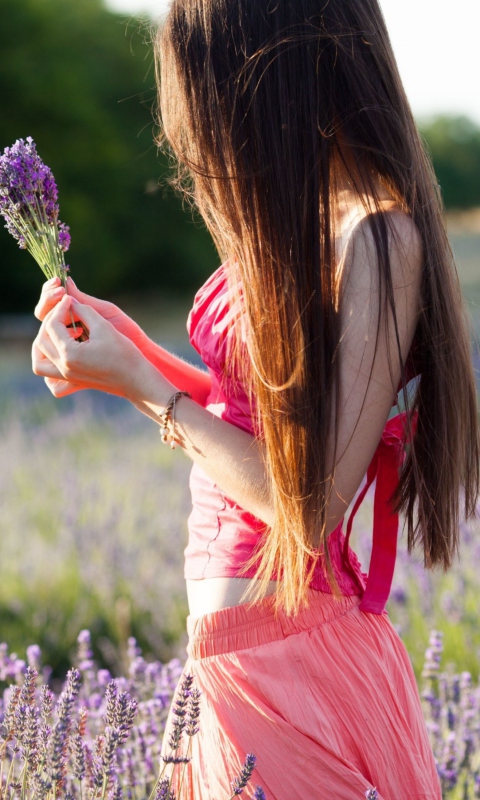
(46, 226)
(188, 755)
(24, 780)
(104, 786)
(9, 776)
(42, 227)
(1, 777)
(161, 769)
(51, 232)
(32, 244)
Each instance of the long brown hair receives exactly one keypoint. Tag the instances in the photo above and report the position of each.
(259, 100)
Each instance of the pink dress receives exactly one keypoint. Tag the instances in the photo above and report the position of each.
(326, 700)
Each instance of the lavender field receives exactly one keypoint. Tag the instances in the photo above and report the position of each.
(93, 527)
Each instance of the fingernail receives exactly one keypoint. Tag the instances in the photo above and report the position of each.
(70, 280)
(53, 281)
(58, 292)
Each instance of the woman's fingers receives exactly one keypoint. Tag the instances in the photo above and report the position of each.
(102, 306)
(61, 387)
(42, 364)
(52, 292)
(56, 323)
(45, 348)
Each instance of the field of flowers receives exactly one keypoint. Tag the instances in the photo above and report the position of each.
(93, 528)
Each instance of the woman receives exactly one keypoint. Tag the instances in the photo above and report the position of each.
(295, 141)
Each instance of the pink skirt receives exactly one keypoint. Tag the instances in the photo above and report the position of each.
(327, 702)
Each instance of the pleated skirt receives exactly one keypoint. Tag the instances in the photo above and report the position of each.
(326, 700)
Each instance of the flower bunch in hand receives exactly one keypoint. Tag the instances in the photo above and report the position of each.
(29, 203)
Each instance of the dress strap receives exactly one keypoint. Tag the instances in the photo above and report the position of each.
(385, 465)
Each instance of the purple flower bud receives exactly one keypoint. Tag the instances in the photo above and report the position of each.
(64, 238)
(103, 677)
(84, 642)
(27, 695)
(34, 656)
(399, 595)
(239, 784)
(78, 757)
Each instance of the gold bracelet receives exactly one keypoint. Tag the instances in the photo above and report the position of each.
(167, 417)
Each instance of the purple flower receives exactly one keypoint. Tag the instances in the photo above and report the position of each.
(259, 794)
(238, 785)
(371, 794)
(179, 714)
(29, 204)
(103, 677)
(64, 238)
(399, 595)
(25, 181)
(34, 656)
(193, 714)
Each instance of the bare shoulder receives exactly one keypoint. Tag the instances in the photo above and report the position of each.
(404, 246)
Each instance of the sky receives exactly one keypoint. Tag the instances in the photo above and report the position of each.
(436, 43)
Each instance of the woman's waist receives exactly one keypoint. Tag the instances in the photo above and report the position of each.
(207, 595)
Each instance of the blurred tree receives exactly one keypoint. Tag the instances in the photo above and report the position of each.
(80, 80)
(454, 144)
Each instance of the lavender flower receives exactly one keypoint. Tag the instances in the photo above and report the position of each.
(73, 745)
(116, 792)
(10, 713)
(371, 794)
(78, 757)
(34, 655)
(46, 703)
(433, 655)
(163, 791)
(192, 727)
(27, 694)
(111, 699)
(179, 714)
(29, 204)
(238, 785)
(113, 739)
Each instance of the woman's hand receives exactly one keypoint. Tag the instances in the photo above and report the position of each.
(108, 360)
(53, 291)
(180, 373)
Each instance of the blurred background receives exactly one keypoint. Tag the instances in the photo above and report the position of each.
(92, 510)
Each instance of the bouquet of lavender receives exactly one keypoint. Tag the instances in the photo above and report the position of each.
(29, 203)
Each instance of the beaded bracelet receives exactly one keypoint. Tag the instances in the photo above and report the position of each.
(167, 417)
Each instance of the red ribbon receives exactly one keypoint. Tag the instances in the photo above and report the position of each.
(385, 465)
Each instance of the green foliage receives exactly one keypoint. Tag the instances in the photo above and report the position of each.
(454, 144)
(80, 80)
(92, 531)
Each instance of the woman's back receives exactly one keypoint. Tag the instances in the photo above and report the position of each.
(223, 537)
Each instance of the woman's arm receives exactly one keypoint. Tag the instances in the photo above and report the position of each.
(179, 372)
(231, 457)
(175, 369)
